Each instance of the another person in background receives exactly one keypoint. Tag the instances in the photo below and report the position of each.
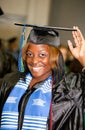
(8, 63)
(65, 52)
(13, 47)
(43, 97)
(75, 66)
(71, 64)
(1, 44)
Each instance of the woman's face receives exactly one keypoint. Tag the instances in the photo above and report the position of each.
(37, 59)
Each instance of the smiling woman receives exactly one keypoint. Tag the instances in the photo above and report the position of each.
(43, 97)
(37, 59)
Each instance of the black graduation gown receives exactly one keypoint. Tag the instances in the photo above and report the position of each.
(68, 103)
(67, 100)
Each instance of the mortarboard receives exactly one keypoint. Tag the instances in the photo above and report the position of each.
(44, 34)
(41, 35)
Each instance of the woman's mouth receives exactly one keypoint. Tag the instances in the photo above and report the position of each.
(36, 68)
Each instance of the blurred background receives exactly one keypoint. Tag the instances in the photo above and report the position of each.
(63, 13)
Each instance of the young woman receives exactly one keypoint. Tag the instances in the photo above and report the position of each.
(43, 97)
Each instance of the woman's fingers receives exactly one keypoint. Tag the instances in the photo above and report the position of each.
(70, 46)
(77, 36)
(79, 50)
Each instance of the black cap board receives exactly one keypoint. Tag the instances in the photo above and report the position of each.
(45, 27)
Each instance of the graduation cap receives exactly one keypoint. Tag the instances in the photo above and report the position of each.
(42, 34)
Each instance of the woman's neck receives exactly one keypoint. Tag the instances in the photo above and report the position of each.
(41, 78)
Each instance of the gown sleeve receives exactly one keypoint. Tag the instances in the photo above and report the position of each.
(67, 103)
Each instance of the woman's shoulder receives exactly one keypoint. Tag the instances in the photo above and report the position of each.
(69, 88)
(14, 75)
(12, 78)
(70, 81)
(70, 77)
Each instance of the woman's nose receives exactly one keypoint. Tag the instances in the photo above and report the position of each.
(35, 60)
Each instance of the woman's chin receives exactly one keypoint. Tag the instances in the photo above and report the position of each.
(37, 75)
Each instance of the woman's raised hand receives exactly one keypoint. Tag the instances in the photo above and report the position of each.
(79, 50)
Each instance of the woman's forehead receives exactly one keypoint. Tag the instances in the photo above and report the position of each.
(38, 46)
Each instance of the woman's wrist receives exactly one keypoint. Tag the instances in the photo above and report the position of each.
(83, 69)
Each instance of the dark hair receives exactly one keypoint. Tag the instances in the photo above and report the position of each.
(57, 63)
(11, 40)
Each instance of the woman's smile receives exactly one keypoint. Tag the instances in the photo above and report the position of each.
(37, 68)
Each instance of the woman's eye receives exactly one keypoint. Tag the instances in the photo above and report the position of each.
(28, 54)
(42, 55)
